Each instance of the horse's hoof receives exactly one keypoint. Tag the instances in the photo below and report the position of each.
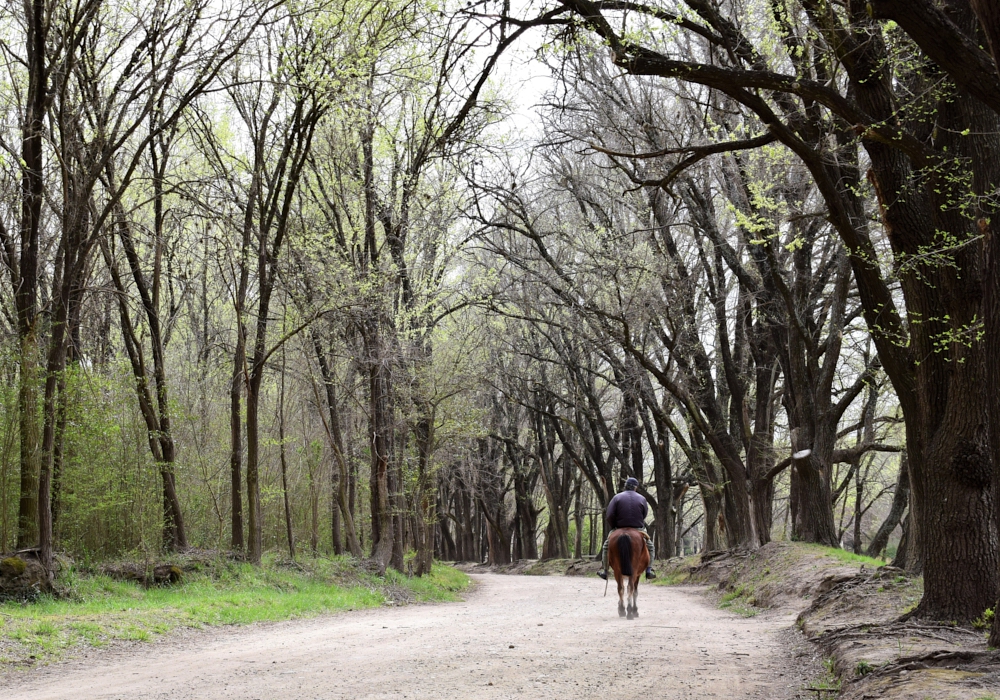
(630, 615)
(635, 613)
(621, 612)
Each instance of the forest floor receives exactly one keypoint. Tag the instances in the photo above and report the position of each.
(513, 637)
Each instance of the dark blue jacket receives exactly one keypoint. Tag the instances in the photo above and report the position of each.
(627, 509)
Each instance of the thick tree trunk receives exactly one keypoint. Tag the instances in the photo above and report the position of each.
(953, 507)
(940, 382)
(498, 543)
(425, 492)
(740, 526)
(664, 511)
(380, 432)
(526, 520)
(991, 340)
(812, 503)
(715, 531)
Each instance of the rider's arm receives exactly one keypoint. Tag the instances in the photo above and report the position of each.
(612, 514)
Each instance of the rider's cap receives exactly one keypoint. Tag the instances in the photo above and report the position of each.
(631, 483)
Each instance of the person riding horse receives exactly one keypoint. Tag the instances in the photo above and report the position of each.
(627, 509)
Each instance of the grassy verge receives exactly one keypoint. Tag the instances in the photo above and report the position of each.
(96, 610)
(751, 583)
(843, 555)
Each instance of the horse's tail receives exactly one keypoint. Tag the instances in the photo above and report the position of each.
(625, 553)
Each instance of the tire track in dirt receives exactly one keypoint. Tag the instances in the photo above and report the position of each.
(514, 637)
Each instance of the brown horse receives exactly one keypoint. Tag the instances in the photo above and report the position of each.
(628, 557)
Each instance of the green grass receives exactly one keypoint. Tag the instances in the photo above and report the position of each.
(828, 685)
(96, 610)
(845, 556)
(740, 601)
(672, 578)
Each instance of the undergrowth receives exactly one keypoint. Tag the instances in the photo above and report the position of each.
(95, 610)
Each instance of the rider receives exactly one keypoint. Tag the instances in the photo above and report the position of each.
(627, 509)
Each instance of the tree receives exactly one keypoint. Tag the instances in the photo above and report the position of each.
(932, 354)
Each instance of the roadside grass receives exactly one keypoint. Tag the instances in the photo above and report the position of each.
(677, 571)
(740, 601)
(751, 583)
(845, 556)
(96, 610)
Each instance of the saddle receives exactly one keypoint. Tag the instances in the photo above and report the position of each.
(645, 535)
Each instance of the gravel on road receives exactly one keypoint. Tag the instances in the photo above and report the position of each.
(513, 637)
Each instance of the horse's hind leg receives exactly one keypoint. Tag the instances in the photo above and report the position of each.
(631, 596)
(635, 598)
(621, 598)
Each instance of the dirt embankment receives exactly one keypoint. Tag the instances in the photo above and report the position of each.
(852, 611)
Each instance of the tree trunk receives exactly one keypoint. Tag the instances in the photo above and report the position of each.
(425, 516)
(895, 516)
(27, 518)
(498, 543)
(578, 519)
(664, 522)
(715, 531)
(284, 461)
(335, 535)
(26, 280)
(380, 432)
(255, 532)
(236, 437)
(811, 497)
(344, 484)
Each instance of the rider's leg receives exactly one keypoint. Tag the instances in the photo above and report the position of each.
(603, 573)
(652, 555)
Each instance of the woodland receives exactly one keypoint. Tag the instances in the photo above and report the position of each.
(334, 277)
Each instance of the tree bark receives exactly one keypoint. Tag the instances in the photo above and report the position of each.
(341, 484)
(896, 510)
(380, 426)
(284, 461)
(26, 278)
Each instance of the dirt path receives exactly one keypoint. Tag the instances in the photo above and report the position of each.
(515, 637)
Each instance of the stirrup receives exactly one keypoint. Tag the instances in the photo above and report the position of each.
(650, 574)
(603, 574)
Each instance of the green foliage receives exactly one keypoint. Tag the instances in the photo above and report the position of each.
(863, 668)
(96, 610)
(983, 622)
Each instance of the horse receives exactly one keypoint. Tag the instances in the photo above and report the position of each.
(628, 557)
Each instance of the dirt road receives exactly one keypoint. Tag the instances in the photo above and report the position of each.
(514, 637)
